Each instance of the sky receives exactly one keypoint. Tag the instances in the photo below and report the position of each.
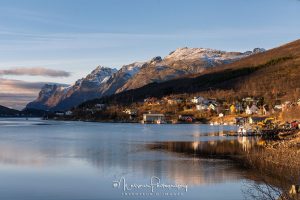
(63, 40)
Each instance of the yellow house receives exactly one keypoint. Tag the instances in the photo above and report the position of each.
(232, 109)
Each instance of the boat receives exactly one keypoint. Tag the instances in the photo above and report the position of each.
(160, 122)
(246, 131)
(242, 130)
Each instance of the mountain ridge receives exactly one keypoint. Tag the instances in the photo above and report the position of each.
(272, 75)
(104, 81)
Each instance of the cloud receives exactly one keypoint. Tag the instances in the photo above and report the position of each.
(35, 71)
(17, 94)
(16, 86)
(16, 101)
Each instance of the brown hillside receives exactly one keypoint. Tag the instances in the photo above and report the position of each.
(273, 75)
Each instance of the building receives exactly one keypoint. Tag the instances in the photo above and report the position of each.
(130, 111)
(174, 101)
(232, 108)
(265, 110)
(69, 113)
(239, 108)
(256, 120)
(153, 118)
(186, 118)
(201, 107)
(254, 109)
(213, 106)
(240, 121)
(286, 105)
(59, 113)
(278, 107)
(197, 100)
(249, 100)
(248, 111)
(99, 106)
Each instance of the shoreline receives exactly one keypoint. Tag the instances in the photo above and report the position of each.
(206, 122)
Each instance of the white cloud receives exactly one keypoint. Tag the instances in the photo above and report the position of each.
(17, 94)
(35, 71)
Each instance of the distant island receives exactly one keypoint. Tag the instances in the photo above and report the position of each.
(8, 112)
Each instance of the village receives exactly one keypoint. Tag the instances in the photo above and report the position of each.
(251, 113)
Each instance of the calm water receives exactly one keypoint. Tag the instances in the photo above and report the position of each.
(42, 160)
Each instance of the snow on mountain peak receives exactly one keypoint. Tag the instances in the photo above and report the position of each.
(133, 68)
(50, 88)
(100, 74)
(258, 50)
(196, 53)
(208, 54)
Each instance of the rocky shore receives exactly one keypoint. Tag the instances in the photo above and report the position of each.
(280, 160)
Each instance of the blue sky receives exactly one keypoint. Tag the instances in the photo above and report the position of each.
(77, 35)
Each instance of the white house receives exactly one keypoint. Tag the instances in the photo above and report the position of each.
(174, 101)
(213, 106)
(248, 111)
(153, 118)
(197, 100)
(59, 113)
(201, 107)
(100, 106)
(130, 111)
(69, 113)
(254, 109)
(278, 107)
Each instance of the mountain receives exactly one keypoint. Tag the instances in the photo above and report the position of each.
(181, 62)
(47, 96)
(273, 75)
(120, 78)
(62, 97)
(7, 112)
(105, 81)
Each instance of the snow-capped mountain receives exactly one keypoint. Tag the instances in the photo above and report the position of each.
(182, 61)
(104, 81)
(47, 93)
(99, 75)
(118, 79)
(61, 98)
(200, 53)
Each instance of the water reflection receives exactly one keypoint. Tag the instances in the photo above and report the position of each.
(257, 184)
(58, 157)
(216, 149)
(133, 160)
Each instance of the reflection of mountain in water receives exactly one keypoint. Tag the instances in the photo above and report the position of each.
(106, 151)
(115, 153)
(131, 158)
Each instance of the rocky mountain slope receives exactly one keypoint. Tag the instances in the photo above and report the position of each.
(181, 62)
(50, 94)
(64, 97)
(273, 75)
(105, 81)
